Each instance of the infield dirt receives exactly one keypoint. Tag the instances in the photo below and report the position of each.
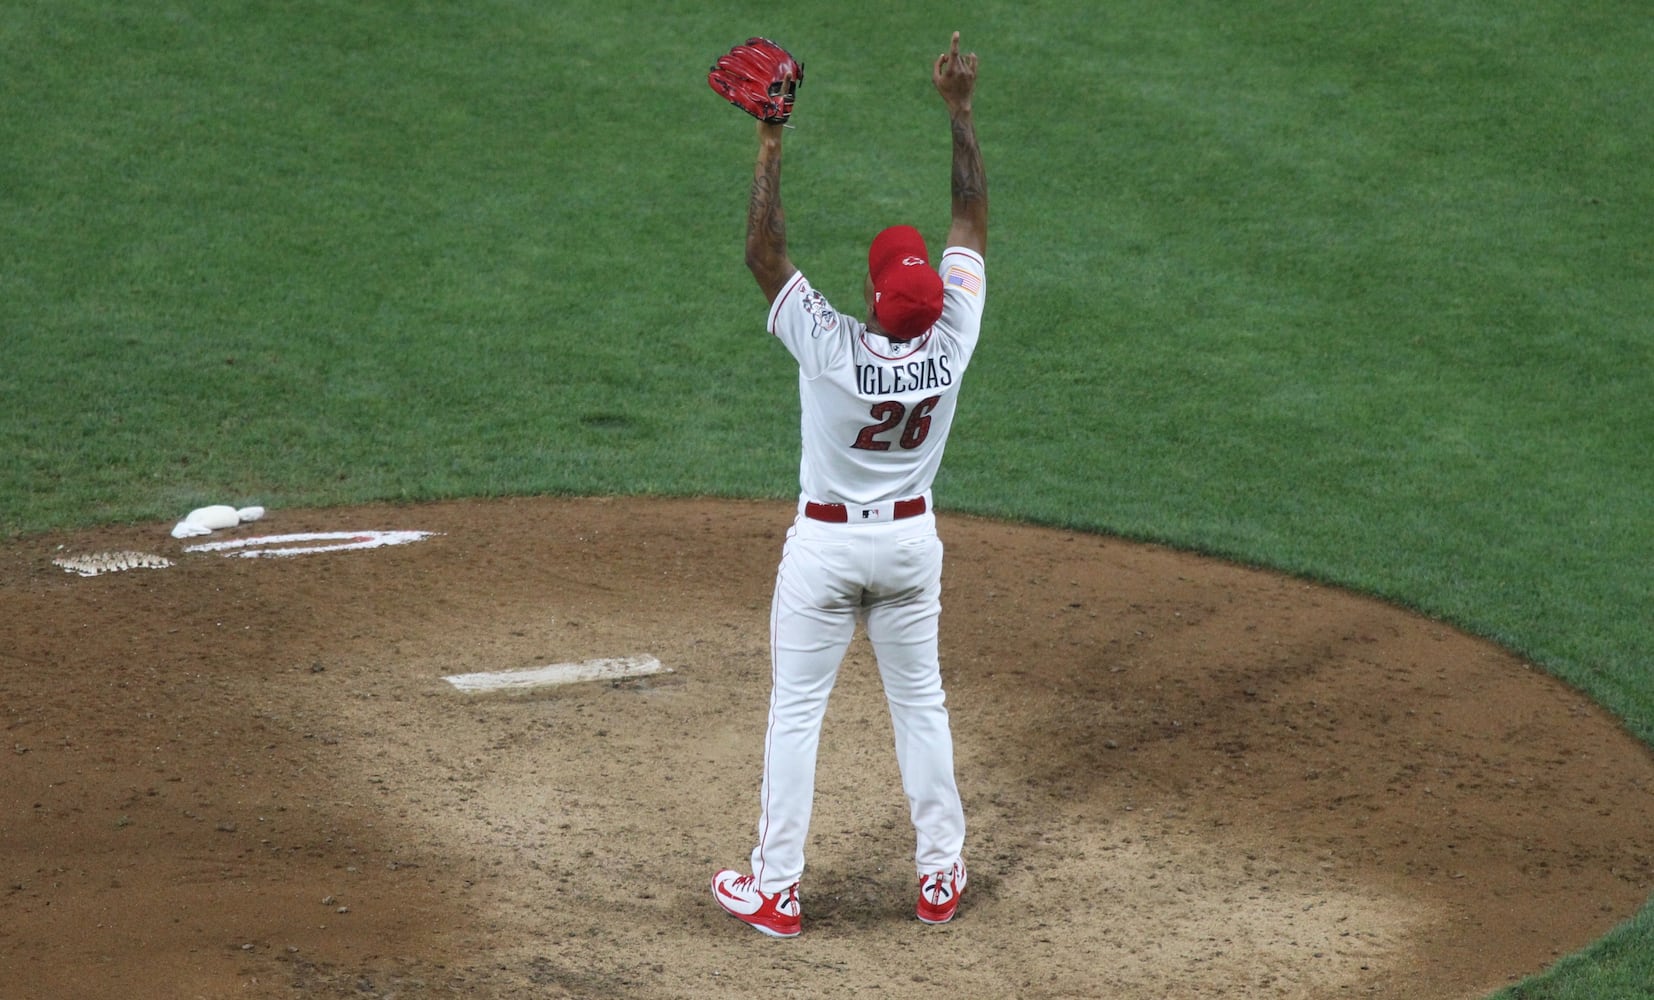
(246, 776)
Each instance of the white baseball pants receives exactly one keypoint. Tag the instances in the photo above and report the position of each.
(832, 575)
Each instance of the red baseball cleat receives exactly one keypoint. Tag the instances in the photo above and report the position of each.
(939, 894)
(774, 913)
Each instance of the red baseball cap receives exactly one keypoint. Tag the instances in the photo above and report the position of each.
(907, 291)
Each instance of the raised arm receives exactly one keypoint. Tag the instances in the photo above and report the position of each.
(955, 79)
(766, 226)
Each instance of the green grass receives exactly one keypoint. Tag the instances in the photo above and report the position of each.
(1621, 965)
(1363, 292)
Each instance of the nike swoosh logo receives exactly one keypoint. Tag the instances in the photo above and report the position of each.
(740, 904)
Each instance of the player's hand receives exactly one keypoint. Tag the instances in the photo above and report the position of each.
(955, 76)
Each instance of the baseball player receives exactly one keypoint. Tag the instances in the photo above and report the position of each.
(878, 401)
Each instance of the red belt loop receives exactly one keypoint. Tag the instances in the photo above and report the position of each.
(837, 513)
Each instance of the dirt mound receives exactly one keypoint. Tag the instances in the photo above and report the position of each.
(244, 773)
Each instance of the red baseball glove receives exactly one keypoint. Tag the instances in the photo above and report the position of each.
(759, 77)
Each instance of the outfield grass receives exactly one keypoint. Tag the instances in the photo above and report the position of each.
(1363, 292)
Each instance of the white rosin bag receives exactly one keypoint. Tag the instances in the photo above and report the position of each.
(206, 520)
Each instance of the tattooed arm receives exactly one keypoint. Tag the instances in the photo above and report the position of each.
(766, 226)
(955, 79)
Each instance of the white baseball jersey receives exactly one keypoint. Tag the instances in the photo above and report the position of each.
(876, 412)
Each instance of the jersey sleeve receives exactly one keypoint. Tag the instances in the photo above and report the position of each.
(964, 292)
(803, 320)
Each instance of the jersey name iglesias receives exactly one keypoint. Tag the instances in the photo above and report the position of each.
(875, 413)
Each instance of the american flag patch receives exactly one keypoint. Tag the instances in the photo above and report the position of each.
(964, 279)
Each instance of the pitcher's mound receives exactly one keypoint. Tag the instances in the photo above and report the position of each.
(244, 773)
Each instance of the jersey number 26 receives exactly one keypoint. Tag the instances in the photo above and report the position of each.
(889, 413)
